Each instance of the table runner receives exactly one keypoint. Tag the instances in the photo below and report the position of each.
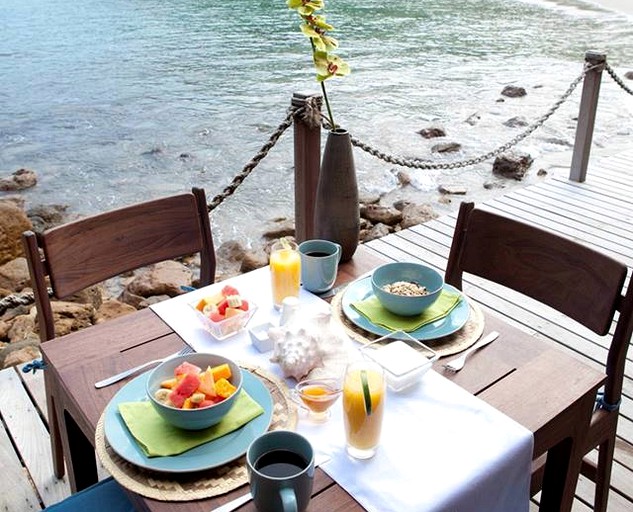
(442, 449)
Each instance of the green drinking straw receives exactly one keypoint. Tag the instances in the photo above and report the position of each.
(366, 394)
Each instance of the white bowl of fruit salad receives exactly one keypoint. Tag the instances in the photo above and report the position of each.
(194, 391)
(224, 311)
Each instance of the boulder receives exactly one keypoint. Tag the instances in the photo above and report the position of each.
(231, 251)
(23, 327)
(629, 75)
(473, 119)
(512, 165)
(14, 275)
(164, 278)
(515, 122)
(404, 178)
(377, 231)
(16, 200)
(253, 261)
(71, 316)
(446, 147)
(380, 214)
(44, 217)
(432, 132)
(13, 222)
(154, 299)
(280, 227)
(512, 91)
(491, 185)
(456, 190)
(19, 180)
(4, 329)
(371, 198)
(413, 214)
(112, 308)
(20, 353)
(92, 295)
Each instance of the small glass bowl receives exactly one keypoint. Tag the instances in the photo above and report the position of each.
(317, 396)
(229, 326)
(404, 359)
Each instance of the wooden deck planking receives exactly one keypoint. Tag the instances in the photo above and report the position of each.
(29, 435)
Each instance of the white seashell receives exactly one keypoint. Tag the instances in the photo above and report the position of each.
(296, 351)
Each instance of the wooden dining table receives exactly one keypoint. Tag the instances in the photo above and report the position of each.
(549, 392)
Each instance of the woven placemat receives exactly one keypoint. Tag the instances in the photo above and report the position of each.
(444, 346)
(201, 484)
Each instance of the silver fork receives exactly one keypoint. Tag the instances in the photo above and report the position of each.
(457, 364)
(120, 376)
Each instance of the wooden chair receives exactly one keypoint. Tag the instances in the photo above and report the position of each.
(88, 251)
(585, 285)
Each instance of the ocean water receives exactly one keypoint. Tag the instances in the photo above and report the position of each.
(119, 101)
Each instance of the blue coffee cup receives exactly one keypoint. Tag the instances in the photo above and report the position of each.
(319, 264)
(280, 467)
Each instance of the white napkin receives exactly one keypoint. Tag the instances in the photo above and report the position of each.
(441, 449)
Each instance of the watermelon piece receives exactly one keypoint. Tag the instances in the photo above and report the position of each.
(229, 290)
(215, 316)
(244, 306)
(209, 403)
(184, 389)
(222, 306)
(185, 367)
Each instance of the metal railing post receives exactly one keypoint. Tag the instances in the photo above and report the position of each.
(587, 116)
(307, 158)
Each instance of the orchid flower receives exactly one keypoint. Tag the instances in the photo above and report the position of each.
(315, 28)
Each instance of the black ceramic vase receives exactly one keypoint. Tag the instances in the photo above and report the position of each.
(336, 211)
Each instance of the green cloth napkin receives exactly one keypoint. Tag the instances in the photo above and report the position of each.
(371, 309)
(158, 438)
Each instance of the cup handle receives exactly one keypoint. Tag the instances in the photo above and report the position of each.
(339, 251)
(288, 500)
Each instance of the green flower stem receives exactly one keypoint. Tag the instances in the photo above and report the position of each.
(327, 106)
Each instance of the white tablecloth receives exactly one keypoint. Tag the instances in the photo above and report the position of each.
(441, 449)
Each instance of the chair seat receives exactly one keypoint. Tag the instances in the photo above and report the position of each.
(104, 496)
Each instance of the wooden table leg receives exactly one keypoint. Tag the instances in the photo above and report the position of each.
(563, 462)
(80, 456)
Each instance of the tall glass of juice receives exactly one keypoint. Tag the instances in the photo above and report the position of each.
(364, 390)
(285, 270)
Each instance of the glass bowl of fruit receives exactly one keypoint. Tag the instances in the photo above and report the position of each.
(224, 312)
(194, 391)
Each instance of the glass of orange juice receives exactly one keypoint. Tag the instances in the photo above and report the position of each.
(285, 270)
(317, 396)
(364, 393)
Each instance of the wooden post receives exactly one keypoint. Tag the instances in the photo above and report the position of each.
(307, 155)
(586, 116)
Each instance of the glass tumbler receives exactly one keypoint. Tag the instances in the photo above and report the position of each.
(364, 393)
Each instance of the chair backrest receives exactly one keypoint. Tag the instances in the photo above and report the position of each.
(576, 280)
(90, 250)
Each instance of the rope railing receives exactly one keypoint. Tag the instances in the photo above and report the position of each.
(310, 114)
(617, 79)
(417, 164)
